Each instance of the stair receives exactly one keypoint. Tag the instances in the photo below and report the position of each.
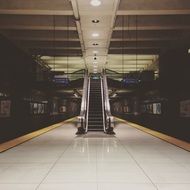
(95, 115)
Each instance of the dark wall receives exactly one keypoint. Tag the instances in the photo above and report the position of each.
(15, 65)
(172, 90)
(25, 104)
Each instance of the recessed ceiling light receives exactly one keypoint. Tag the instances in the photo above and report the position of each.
(95, 3)
(95, 34)
(95, 44)
(95, 52)
(95, 21)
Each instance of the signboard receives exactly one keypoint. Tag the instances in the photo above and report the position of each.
(61, 79)
(62, 109)
(185, 108)
(128, 81)
(157, 108)
(38, 108)
(152, 108)
(5, 108)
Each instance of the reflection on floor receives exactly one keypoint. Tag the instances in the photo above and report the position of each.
(58, 160)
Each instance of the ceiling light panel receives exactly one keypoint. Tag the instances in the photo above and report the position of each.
(95, 34)
(106, 6)
(95, 21)
(95, 3)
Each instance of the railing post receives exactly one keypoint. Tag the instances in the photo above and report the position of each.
(108, 116)
(82, 117)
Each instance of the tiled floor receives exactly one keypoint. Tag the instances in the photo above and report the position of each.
(58, 160)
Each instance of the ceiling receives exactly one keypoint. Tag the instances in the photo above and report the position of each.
(129, 36)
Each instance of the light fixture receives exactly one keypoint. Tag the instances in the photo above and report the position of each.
(95, 35)
(95, 44)
(136, 20)
(189, 51)
(68, 44)
(95, 3)
(114, 95)
(54, 42)
(95, 21)
(76, 95)
(95, 52)
(123, 46)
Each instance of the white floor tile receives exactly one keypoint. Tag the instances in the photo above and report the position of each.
(24, 173)
(130, 160)
(18, 186)
(169, 177)
(173, 186)
(120, 172)
(167, 173)
(72, 172)
(29, 158)
(124, 186)
(69, 186)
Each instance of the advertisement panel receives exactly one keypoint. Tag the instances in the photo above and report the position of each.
(5, 108)
(185, 108)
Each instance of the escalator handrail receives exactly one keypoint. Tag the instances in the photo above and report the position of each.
(103, 102)
(87, 105)
(107, 108)
(84, 102)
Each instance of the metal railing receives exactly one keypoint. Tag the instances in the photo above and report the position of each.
(103, 103)
(87, 106)
(107, 111)
(83, 118)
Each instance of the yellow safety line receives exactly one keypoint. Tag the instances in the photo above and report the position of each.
(172, 140)
(12, 143)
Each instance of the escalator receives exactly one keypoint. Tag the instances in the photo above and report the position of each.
(95, 112)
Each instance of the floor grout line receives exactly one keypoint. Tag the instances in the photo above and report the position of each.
(169, 139)
(138, 164)
(32, 135)
(99, 147)
(53, 165)
(96, 166)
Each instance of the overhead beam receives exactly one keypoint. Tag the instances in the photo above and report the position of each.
(64, 44)
(19, 27)
(164, 34)
(41, 48)
(153, 12)
(35, 12)
(56, 52)
(113, 19)
(43, 39)
(39, 7)
(78, 24)
(134, 51)
(134, 44)
(174, 27)
(142, 39)
(154, 7)
(39, 34)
